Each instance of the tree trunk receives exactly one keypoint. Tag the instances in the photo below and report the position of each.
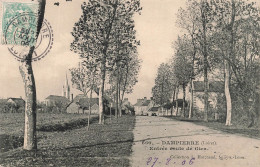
(184, 97)
(101, 92)
(26, 71)
(205, 59)
(120, 101)
(173, 98)
(30, 140)
(227, 68)
(191, 99)
(110, 110)
(89, 113)
(117, 96)
(227, 94)
(176, 103)
(257, 107)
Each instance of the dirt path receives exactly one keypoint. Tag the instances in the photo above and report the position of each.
(161, 142)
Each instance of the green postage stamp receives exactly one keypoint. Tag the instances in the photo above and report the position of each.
(18, 22)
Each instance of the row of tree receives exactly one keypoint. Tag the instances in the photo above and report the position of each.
(219, 36)
(105, 40)
(104, 37)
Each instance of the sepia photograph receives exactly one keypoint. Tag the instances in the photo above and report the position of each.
(129, 83)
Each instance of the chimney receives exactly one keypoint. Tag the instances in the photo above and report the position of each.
(71, 96)
(145, 98)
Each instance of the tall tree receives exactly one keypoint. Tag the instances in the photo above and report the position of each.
(197, 22)
(96, 32)
(187, 19)
(183, 64)
(236, 33)
(204, 20)
(162, 90)
(224, 30)
(123, 77)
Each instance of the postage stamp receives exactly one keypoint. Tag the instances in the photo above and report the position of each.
(18, 24)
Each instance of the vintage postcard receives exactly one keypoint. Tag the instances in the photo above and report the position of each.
(129, 83)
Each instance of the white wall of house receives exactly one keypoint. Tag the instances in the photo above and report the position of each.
(140, 110)
(199, 102)
(73, 108)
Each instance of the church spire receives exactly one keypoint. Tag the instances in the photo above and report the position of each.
(66, 88)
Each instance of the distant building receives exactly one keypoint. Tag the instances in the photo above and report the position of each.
(215, 90)
(81, 104)
(143, 105)
(18, 102)
(53, 100)
(18, 105)
(127, 107)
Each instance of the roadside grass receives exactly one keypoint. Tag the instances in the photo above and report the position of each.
(12, 126)
(13, 123)
(233, 129)
(103, 145)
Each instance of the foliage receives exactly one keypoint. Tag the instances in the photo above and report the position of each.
(183, 65)
(163, 89)
(218, 32)
(105, 35)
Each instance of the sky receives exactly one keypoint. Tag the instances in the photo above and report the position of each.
(155, 28)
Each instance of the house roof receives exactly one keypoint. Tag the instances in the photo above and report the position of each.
(146, 103)
(216, 86)
(18, 101)
(84, 101)
(58, 98)
(139, 102)
(143, 102)
(154, 109)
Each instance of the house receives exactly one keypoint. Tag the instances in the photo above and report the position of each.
(54, 100)
(127, 107)
(81, 104)
(215, 91)
(18, 104)
(129, 110)
(143, 105)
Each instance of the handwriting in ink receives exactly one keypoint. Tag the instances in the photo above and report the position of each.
(152, 161)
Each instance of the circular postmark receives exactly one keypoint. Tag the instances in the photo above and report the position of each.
(21, 33)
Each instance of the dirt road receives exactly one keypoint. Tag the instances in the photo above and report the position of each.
(162, 142)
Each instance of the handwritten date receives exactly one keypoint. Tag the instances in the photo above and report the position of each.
(153, 161)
